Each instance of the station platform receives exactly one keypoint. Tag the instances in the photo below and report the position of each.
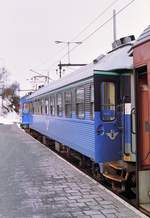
(36, 182)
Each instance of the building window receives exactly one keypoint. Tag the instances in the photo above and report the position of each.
(68, 104)
(108, 101)
(80, 103)
(52, 105)
(59, 104)
(92, 101)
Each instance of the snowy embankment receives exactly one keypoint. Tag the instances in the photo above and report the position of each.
(7, 113)
(9, 118)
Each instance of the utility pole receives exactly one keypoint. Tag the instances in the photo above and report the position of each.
(68, 47)
(47, 78)
(60, 65)
(114, 25)
(60, 68)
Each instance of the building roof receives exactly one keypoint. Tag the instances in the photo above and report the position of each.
(115, 60)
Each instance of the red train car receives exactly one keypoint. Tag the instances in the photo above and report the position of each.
(141, 60)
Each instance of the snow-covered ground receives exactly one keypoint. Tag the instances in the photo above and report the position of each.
(9, 118)
(7, 113)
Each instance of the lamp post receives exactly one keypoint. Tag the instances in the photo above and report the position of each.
(68, 46)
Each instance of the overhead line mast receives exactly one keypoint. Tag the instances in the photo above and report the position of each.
(102, 25)
(86, 27)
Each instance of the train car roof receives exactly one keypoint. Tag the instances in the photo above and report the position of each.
(117, 59)
(145, 36)
(25, 98)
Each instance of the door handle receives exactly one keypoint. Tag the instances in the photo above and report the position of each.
(133, 121)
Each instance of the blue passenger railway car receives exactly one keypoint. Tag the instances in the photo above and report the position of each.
(89, 111)
(25, 111)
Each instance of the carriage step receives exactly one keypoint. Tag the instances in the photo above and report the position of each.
(120, 165)
(117, 165)
(133, 189)
(115, 178)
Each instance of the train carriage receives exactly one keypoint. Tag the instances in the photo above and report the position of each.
(25, 111)
(90, 109)
(102, 112)
(141, 58)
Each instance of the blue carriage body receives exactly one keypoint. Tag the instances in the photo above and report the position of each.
(99, 140)
(74, 133)
(25, 111)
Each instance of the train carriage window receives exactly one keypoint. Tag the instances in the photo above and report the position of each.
(80, 103)
(52, 105)
(34, 107)
(92, 101)
(38, 106)
(26, 107)
(31, 107)
(108, 101)
(46, 106)
(59, 105)
(68, 104)
(43, 105)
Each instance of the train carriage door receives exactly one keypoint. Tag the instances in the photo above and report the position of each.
(143, 139)
(108, 135)
(144, 125)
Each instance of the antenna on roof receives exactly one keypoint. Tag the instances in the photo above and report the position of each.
(122, 41)
(114, 25)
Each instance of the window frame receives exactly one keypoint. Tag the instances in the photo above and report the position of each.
(59, 105)
(102, 105)
(66, 103)
(52, 105)
(92, 102)
(46, 104)
(80, 103)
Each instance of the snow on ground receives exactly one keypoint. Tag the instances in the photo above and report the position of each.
(7, 113)
(9, 118)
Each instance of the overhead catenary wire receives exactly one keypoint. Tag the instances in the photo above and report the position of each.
(85, 28)
(95, 19)
(108, 20)
(98, 28)
(92, 33)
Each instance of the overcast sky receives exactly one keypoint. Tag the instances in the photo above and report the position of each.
(30, 27)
